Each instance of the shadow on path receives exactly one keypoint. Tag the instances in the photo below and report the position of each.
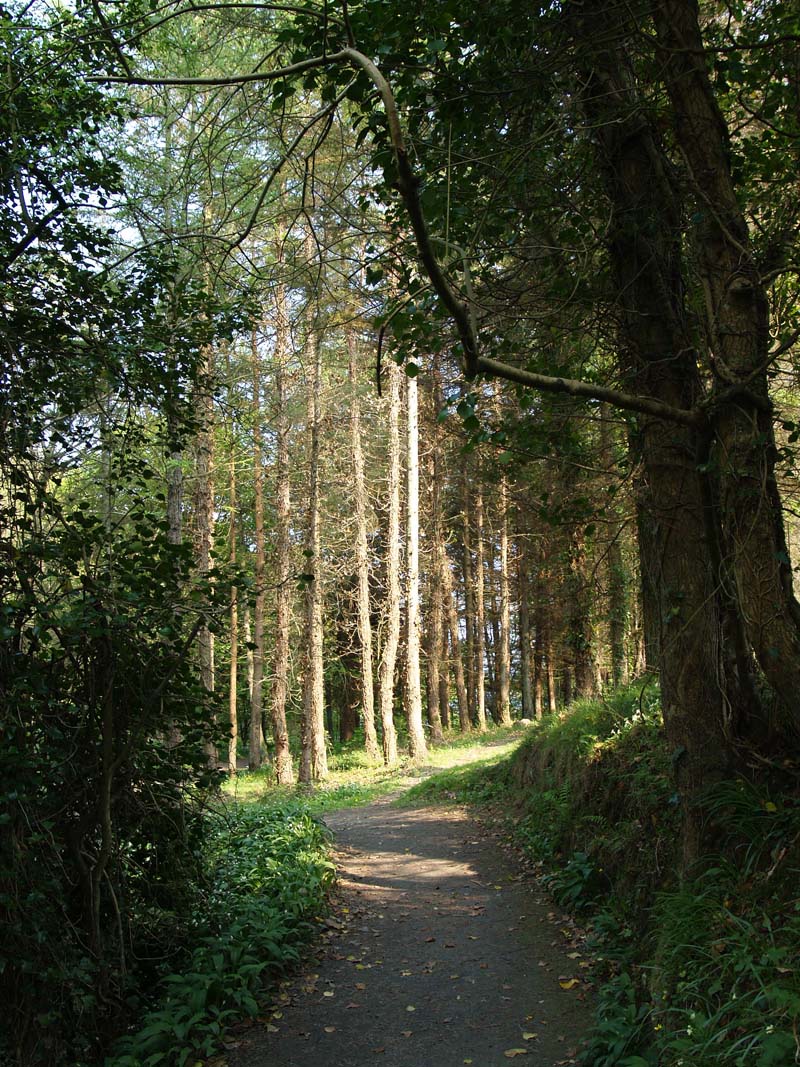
(438, 955)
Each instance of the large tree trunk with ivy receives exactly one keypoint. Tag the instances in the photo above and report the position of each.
(738, 336)
(704, 683)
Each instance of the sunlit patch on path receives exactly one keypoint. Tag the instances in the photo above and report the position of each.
(437, 955)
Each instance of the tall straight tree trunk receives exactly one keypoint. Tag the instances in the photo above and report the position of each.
(247, 633)
(469, 599)
(435, 640)
(257, 689)
(526, 666)
(391, 641)
(548, 656)
(233, 682)
(204, 507)
(504, 651)
(284, 771)
(617, 575)
(313, 758)
(451, 617)
(362, 557)
(480, 617)
(581, 636)
(433, 643)
(416, 736)
(538, 665)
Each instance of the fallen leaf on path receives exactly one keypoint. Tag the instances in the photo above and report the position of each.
(272, 1029)
(429, 939)
(329, 1029)
(570, 983)
(510, 1053)
(351, 1005)
(360, 985)
(410, 1007)
(329, 993)
(529, 1036)
(573, 955)
(279, 1014)
(406, 1033)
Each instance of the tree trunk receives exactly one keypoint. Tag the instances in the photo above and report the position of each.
(451, 617)
(416, 736)
(233, 686)
(362, 557)
(437, 709)
(204, 508)
(526, 665)
(700, 691)
(433, 641)
(284, 771)
(469, 601)
(503, 712)
(737, 331)
(313, 758)
(480, 617)
(580, 634)
(392, 603)
(257, 690)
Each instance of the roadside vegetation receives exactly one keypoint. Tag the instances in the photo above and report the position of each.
(263, 877)
(694, 972)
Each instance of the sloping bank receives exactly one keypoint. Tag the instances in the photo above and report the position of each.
(693, 974)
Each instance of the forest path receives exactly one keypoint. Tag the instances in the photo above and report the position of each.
(438, 954)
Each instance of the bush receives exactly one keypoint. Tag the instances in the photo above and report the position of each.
(269, 876)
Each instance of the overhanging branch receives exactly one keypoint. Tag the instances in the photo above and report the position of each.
(408, 187)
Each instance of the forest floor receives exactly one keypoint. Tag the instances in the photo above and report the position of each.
(440, 951)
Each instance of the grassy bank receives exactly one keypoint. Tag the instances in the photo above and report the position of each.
(702, 972)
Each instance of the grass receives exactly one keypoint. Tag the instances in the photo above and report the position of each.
(354, 781)
(694, 972)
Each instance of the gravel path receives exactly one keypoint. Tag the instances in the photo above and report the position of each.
(438, 954)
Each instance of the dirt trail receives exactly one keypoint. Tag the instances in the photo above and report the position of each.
(439, 954)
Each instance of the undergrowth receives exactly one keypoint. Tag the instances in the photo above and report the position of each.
(268, 879)
(698, 972)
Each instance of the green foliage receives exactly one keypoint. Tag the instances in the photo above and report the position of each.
(268, 879)
(701, 971)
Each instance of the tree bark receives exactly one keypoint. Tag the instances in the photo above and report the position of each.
(204, 508)
(362, 557)
(526, 664)
(504, 651)
(416, 736)
(284, 771)
(233, 681)
(737, 333)
(469, 599)
(388, 661)
(313, 757)
(480, 617)
(257, 690)
(451, 617)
